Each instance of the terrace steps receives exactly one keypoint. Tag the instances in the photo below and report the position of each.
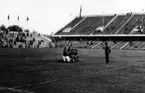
(130, 25)
(118, 45)
(141, 45)
(110, 43)
(138, 45)
(114, 26)
(99, 46)
(77, 24)
(96, 44)
(124, 24)
(124, 45)
(111, 21)
(135, 44)
(127, 46)
(107, 21)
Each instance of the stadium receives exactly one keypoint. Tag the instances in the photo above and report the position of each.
(32, 63)
(122, 31)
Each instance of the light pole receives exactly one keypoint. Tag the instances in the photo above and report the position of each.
(8, 20)
(70, 22)
(18, 20)
(143, 20)
(27, 23)
(103, 20)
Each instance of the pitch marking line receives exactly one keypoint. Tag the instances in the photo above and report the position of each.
(15, 90)
(56, 80)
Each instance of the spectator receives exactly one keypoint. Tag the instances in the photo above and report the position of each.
(107, 52)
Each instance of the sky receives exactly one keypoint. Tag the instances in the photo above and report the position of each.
(47, 16)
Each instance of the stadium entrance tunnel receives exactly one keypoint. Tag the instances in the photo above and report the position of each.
(100, 37)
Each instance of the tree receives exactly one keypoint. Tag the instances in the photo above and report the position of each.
(15, 28)
(3, 28)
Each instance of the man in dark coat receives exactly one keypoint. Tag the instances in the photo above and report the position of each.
(107, 52)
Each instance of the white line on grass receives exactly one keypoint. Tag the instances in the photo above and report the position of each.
(56, 80)
(15, 90)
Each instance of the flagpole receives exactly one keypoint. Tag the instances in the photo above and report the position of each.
(27, 19)
(103, 19)
(70, 22)
(80, 11)
(18, 21)
(143, 20)
(8, 20)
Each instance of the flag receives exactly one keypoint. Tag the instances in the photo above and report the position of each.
(8, 17)
(18, 18)
(27, 19)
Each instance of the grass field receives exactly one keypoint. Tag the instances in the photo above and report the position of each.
(41, 71)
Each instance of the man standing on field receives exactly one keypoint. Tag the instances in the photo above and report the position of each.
(107, 52)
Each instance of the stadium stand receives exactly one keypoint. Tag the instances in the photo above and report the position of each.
(130, 25)
(142, 45)
(96, 43)
(23, 39)
(106, 20)
(84, 26)
(69, 25)
(117, 24)
(119, 21)
(113, 24)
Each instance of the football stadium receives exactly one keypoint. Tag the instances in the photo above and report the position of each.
(90, 54)
(33, 63)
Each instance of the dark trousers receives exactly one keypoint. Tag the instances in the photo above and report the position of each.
(107, 58)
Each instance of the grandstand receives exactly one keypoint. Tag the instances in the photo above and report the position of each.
(14, 39)
(122, 31)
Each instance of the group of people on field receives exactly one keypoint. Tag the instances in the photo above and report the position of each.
(70, 54)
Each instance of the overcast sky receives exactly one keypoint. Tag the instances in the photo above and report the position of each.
(48, 16)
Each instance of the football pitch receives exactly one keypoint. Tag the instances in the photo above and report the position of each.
(42, 71)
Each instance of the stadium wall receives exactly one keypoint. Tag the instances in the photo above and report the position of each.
(113, 37)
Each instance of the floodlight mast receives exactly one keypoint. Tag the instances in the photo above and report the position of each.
(80, 15)
(70, 22)
(103, 20)
(143, 20)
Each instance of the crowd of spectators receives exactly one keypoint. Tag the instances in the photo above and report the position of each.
(18, 39)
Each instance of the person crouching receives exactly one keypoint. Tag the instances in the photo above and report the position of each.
(68, 56)
(74, 55)
(64, 54)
